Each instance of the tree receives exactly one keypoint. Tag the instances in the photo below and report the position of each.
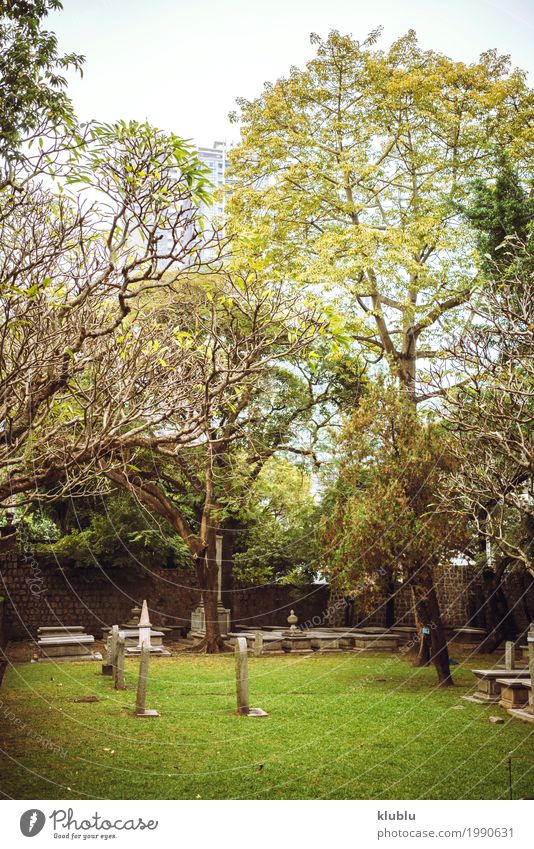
(490, 416)
(104, 533)
(491, 421)
(32, 86)
(280, 516)
(247, 328)
(348, 175)
(380, 526)
(74, 274)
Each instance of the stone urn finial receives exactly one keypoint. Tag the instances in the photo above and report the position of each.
(292, 620)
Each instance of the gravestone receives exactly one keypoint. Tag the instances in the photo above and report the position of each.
(141, 631)
(241, 676)
(119, 667)
(144, 626)
(142, 685)
(509, 655)
(258, 644)
(107, 667)
(114, 646)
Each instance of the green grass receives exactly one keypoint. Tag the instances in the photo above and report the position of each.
(339, 726)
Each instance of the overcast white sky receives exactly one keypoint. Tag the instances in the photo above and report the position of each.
(180, 65)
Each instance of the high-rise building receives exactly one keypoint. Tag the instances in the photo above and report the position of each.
(215, 158)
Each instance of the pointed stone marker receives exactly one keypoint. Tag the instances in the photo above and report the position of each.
(144, 626)
(241, 676)
(142, 685)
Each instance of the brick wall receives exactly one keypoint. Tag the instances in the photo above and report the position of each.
(459, 593)
(39, 593)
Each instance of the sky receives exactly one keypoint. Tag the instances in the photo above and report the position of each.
(180, 64)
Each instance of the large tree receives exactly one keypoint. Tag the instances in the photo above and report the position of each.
(491, 422)
(248, 329)
(74, 273)
(348, 174)
(380, 528)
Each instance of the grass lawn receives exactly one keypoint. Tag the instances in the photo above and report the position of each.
(340, 726)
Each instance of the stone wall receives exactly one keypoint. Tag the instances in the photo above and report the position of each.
(256, 606)
(459, 591)
(39, 593)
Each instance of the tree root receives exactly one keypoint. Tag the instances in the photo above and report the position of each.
(205, 646)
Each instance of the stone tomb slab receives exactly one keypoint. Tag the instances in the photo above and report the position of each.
(488, 686)
(514, 692)
(59, 630)
(132, 647)
(469, 636)
(271, 642)
(66, 647)
(377, 642)
(525, 714)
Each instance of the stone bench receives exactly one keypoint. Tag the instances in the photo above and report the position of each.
(514, 692)
(488, 686)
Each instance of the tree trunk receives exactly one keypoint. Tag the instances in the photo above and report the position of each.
(499, 619)
(390, 605)
(423, 653)
(207, 572)
(228, 531)
(428, 616)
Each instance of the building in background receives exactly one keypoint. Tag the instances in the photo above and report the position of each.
(215, 158)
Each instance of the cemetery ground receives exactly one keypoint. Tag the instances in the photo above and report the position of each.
(340, 726)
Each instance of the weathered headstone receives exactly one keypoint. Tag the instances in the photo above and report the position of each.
(119, 668)
(258, 644)
(114, 649)
(509, 655)
(140, 702)
(241, 676)
(107, 666)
